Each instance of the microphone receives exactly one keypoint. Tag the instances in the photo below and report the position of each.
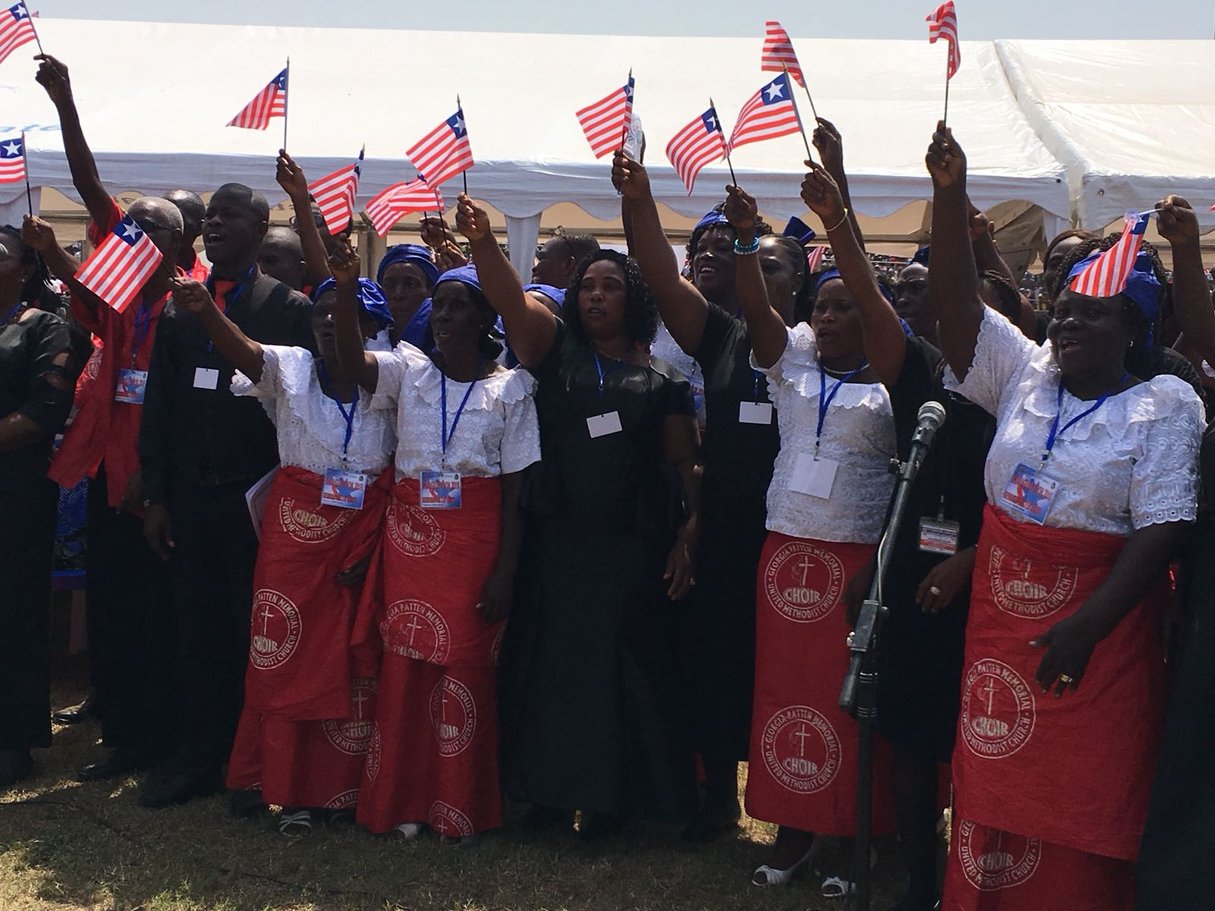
(928, 422)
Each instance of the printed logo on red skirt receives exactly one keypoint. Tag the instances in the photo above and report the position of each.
(353, 735)
(998, 710)
(993, 860)
(801, 749)
(373, 753)
(447, 820)
(275, 629)
(454, 716)
(309, 527)
(412, 531)
(344, 800)
(414, 629)
(803, 582)
(1029, 588)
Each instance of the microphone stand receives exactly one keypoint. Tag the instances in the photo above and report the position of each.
(858, 695)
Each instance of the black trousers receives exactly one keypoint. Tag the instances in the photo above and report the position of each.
(131, 634)
(27, 539)
(212, 569)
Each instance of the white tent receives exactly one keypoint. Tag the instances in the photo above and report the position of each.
(154, 99)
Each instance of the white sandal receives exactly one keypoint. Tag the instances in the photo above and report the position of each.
(773, 876)
(408, 830)
(837, 887)
(295, 824)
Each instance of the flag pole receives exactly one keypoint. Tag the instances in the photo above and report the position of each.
(717, 120)
(628, 121)
(286, 101)
(29, 194)
(464, 173)
(806, 86)
(34, 29)
(798, 114)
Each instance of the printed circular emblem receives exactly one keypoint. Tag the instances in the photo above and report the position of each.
(453, 713)
(309, 527)
(801, 749)
(412, 531)
(803, 582)
(998, 710)
(1029, 588)
(447, 820)
(995, 860)
(344, 800)
(373, 753)
(276, 630)
(352, 735)
(414, 629)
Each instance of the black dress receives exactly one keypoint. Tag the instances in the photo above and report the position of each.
(738, 460)
(591, 692)
(33, 385)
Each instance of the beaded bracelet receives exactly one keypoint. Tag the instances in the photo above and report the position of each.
(748, 250)
(840, 222)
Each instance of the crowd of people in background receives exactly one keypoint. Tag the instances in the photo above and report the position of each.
(504, 552)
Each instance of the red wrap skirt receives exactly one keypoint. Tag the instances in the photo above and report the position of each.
(434, 750)
(306, 722)
(803, 759)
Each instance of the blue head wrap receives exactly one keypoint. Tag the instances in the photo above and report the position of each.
(370, 296)
(409, 253)
(712, 219)
(921, 256)
(1142, 287)
(799, 231)
(548, 291)
(465, 274)
(830, 274)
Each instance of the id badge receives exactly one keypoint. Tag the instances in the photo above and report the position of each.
(1029, 494)
(132, 384)
(343, 488)
(813, 476)
(206, 378)
(602, 425)
(755, 413)
(939, 536)
(439, 490)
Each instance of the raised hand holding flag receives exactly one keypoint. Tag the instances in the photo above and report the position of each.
(606, 122)
(121, 265)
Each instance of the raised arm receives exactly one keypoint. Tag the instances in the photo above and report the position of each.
(530, 326)
(1191, 297)
(290, 177)
(953, 284)
(885, 342)
(243, 352)
(765, 326)
(830, 146)
(682, 307)
(354, 358)
(53, 76)
(41, 236)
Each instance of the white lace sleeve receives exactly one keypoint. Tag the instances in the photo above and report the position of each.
(800, 350)
(1001, 352)
(388, 382)
(521, 435)
(277, 360)
(1164, 482)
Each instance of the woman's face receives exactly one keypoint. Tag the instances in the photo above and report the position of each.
(603, 300)
(1089, 334)
(406, 286)
(911, 300)
(456, 318)
(836, 323)
(324, 329)
(781, 278)
(713, 264)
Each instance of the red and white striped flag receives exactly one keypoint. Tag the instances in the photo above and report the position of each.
(779, 54)
(334, 195)
(120, 267)
(606, 122)
(269, 103)
(768, 113)
(814, 258)
(943, 25)
(699, 143)
(443, 152)
(12, 160)
(16, 29)
(398, 200)
(1106, 273)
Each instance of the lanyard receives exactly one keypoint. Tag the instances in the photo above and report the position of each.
(8, 316)
(755, 389)
(825, 398)
(599, 369)
(348, 416)
(459, 411)
(143, 322)
(1055, 430)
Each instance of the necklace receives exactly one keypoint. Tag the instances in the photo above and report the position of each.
(838, 374)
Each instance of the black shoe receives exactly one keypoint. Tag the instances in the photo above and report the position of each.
(177, 786)
(540, 818)
(120, 762)
(597, 827)
(246, 804)
(15, 765)
(74, 714)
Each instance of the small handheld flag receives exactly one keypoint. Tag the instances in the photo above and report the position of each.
(16, 29)
(269, 103)
(768, 113)
(1106, 275)
(335, 193)
(444, 152)
(606, 122)
(120, 267)
(398, 200)
(700, 143)
(12, 160)
(779, 57)
(943, 26)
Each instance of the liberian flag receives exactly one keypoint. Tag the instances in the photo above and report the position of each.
(335, 193)
(443, 152)
(118, 268)
(606, 122)
(397, 201)
(12, 160)
(943, 25)
(769, 113)
(16, 29)
(699, 143)
(269, 103)
(778, 53)
(1106, 275)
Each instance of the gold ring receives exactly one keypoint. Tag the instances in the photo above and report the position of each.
(1065, 679)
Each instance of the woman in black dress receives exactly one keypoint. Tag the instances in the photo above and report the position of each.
(591, 691)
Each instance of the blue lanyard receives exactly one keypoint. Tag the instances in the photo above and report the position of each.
(825, 398)
(348, 416)
(755, 389)
(600, 371)
(1056, 431)
(143, 322)
(8, 316)
(459, 411)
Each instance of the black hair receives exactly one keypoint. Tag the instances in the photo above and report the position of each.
(640, 311)
(796, 254)
(1005, 291)
(34, 290)
(762, 228)
(189, 203)
(579, 246)
(1050, 277)
(249, 199)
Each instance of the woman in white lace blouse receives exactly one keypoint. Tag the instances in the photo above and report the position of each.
(1090, 481)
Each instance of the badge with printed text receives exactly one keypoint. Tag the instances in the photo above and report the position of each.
(602, 425)
(813, 476)
(1029, 494)
(132, 384)
(439, 490)
(939, 536)
(343, 488)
